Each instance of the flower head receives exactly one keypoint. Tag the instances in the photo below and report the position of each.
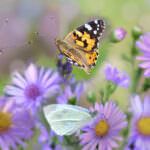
(15, 125)
(140, 131)
(32, 88)
(114, 75)
(70, 93)
(145, 48)
(119, 34)
(136, 31)
(104, 130)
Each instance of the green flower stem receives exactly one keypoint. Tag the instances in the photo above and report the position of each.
(136, 73)
(110, 89)
(91, 97)
(102, 95)
(126, 131)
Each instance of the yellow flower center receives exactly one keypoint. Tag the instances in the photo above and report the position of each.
(143, 126)
(102, 128)
(5, 121)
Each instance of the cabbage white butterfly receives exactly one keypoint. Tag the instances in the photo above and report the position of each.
(66, 119)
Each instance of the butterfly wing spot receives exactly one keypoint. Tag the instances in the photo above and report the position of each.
(74, 36)
(88, 27)
(79, 43)
(92, 58)
(85, 41)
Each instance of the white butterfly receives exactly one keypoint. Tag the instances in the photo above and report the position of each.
(66, 119)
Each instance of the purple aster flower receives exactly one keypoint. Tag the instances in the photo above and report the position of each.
(47, 138)
(119, 34)
(16, 125)
(114, 75)
(105, 129)
(140, 131)
(32, 88)
(145, 48)
(70, 92)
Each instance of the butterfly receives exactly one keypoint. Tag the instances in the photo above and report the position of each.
(66, 119)
(81, 45)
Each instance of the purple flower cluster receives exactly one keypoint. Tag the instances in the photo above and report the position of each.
(145, 48)
(46, 138)
(114, 75)
(27, 92)
(70, 92)
(34, 87)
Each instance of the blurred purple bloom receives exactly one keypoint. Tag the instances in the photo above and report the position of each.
(140, 131)
(131, 146)
(49, 28)
(119, 34)
(49, 147)
(70, 92)
(44, 137)
(145, 48)
(47, 139)
(105, 129)
(114, 75)
(15, 125)
(13, 38)
(32, 88)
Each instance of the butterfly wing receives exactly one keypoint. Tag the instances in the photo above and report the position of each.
(66, 119)
(81, 45)
(86, 37)
(80, 58)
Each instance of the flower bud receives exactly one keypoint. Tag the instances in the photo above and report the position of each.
(137, 31)
(91, 97)
(118, 35)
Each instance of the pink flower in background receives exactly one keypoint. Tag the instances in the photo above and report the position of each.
(120, 33)
(144, 45)
(49, 29)
(13, 37)
(113, 74)
(13, 32)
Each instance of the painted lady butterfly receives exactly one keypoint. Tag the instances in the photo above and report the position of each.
(81, 45)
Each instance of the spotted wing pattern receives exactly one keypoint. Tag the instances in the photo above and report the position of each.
(87, 36)
(81, 46)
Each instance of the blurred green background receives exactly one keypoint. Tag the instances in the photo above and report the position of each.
(54, 19)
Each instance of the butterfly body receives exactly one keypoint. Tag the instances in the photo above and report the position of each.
(66, 119)
(81, 45)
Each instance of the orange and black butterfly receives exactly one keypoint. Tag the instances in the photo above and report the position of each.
(81, 45)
